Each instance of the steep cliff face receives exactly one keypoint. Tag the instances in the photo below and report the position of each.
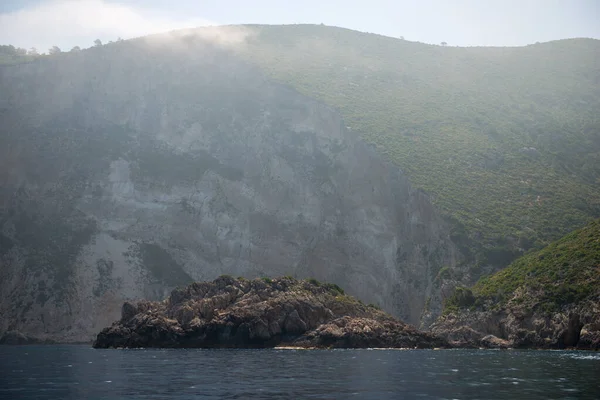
(130, 169)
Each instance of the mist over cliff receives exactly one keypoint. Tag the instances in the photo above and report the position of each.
(396, 169)
(133, 168)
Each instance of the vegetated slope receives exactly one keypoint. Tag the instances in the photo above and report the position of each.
(546, 298)
(506, 140)
(264, 312)
(563, 273)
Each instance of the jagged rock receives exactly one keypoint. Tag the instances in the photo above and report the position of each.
(590, 337)
(574, 327)
(294, 324)
(493, 342)
(260, 313)
(128, 311)
(462, 336)
(349, 332)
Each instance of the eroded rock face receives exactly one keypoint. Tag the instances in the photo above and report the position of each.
(130, 170)
(240, 313)
(590, 336)
(574, 327)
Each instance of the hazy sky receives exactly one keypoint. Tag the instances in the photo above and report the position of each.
(66, 23)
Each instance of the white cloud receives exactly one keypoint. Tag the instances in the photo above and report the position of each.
(68, 23)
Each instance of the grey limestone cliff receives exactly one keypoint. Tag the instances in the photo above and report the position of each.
(130, 169)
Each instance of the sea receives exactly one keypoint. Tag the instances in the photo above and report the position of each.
(81, 372)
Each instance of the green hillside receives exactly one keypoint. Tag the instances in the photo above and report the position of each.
(506, 140)
(565, 272)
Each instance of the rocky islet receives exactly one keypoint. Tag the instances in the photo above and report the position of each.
(241, 313)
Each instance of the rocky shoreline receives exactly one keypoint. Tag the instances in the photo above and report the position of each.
(306, 314)
(15, 337)
(575, 328)
(260, 313)
(547, 299)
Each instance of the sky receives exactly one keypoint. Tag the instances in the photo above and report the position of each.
(68, 23)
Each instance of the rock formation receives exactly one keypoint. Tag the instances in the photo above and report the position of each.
(574, 327)
(259, 313)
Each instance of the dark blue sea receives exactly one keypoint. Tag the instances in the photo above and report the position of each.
(80, 372)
